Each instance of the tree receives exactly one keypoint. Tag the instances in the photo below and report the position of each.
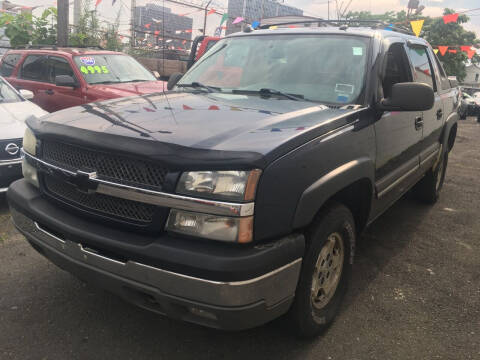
(87, 32)
(437, 33)
(23, 29)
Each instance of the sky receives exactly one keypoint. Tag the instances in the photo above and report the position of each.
(318, 8)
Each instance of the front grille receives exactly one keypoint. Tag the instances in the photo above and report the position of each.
(115, 168)
(99, 203)
(13, 145)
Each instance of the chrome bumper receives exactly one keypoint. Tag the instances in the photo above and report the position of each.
(270, 289)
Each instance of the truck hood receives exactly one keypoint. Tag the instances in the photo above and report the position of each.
(129, 89)
(214, 123)
(13, 116)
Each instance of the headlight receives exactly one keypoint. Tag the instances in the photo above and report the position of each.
(212, 227)
(220, 185)
(29, 142)
(30, 146)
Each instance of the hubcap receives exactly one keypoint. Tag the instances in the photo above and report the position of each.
(328, 271)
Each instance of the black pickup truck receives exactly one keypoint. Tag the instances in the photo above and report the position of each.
(238, 196)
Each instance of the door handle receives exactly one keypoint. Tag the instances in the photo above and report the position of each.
(418, 123)
(439, 114)
(49, 92)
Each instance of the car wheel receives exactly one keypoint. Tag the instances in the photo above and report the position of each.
(325, 271)
(428, 189)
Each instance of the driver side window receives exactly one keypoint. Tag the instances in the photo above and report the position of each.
(397, 69)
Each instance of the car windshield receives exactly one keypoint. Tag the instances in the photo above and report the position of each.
(321, 68)
(7, 94)
(111, 69)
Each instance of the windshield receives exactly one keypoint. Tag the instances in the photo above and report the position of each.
(321, 68)
(110, 69)
(7, 95)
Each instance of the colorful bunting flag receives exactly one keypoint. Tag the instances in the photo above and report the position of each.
(213, 107)
(146, 25)
(417, 26)
(452, 51)
(273, 27)
(470, 53)
(238, 20)
(97, 2)
(435, 51)
(224, 18)
(186, 107)
(255, 24)
(157, 32)
(443, 50)
(465, 48)
(450, 18)
(212, 11)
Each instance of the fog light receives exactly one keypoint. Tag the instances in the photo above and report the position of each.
(222, 228)
(30, 173)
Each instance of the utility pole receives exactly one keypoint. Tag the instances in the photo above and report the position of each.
(62, 23)
(133, 4)
(328, 2)
(205, 18)
(77, 11)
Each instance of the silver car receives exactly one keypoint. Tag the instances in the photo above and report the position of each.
(14, 110)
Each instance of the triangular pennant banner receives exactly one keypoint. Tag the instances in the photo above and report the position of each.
(470, 53)
(97, 2)
(452, 51)
(224, 18)
(255, 24)
(417, 26)
(435, 51)
(212, 11)
(238, 20)
(443, 50)
(148, 26)
(465, 48)
(450, 18)
(273, 27)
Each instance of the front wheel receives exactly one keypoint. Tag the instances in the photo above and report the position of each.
(325, 271)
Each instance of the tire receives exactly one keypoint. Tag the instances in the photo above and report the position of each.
(428, 189)
(331, 235)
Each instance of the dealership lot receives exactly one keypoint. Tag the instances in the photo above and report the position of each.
(415, 294)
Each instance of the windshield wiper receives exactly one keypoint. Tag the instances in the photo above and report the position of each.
(270, 92)
(197, 85)
(104, 82)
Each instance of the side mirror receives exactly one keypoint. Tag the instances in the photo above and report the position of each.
(65, 80)
(409, 97)
(26, 94)
(173, 80)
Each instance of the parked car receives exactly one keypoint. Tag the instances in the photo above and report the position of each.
(238, 196)
(66, 77)
(469, 106)
(14, 110)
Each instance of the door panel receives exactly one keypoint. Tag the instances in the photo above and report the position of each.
(433, 119)
(398, 134)
(33, 76)
(61, 97)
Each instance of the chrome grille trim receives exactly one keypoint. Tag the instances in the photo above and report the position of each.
(152, 197)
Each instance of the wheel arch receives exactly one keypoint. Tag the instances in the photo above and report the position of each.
(350, 184)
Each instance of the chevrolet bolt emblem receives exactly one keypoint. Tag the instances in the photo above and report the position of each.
(81, 180)
(12, 149)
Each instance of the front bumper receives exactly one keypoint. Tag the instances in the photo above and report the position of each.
(10, 170)
(225, 304)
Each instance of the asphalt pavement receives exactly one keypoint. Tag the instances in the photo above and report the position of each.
(414, 294)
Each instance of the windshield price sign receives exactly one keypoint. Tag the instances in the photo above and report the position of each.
(94, 69)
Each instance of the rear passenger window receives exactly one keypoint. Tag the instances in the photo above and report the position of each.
(423, 68)
(59, 66)
(8, 64)
(35, 68)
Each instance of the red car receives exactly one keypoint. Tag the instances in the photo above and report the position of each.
(65, 77)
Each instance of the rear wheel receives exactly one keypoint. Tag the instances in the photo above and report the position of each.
(325, 271)
(428, 189)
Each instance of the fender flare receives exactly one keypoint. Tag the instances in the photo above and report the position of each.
(451, 121)
(318, 193)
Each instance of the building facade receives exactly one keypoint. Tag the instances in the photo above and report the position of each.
(473, 76)
(177, 28)
(253, 10)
